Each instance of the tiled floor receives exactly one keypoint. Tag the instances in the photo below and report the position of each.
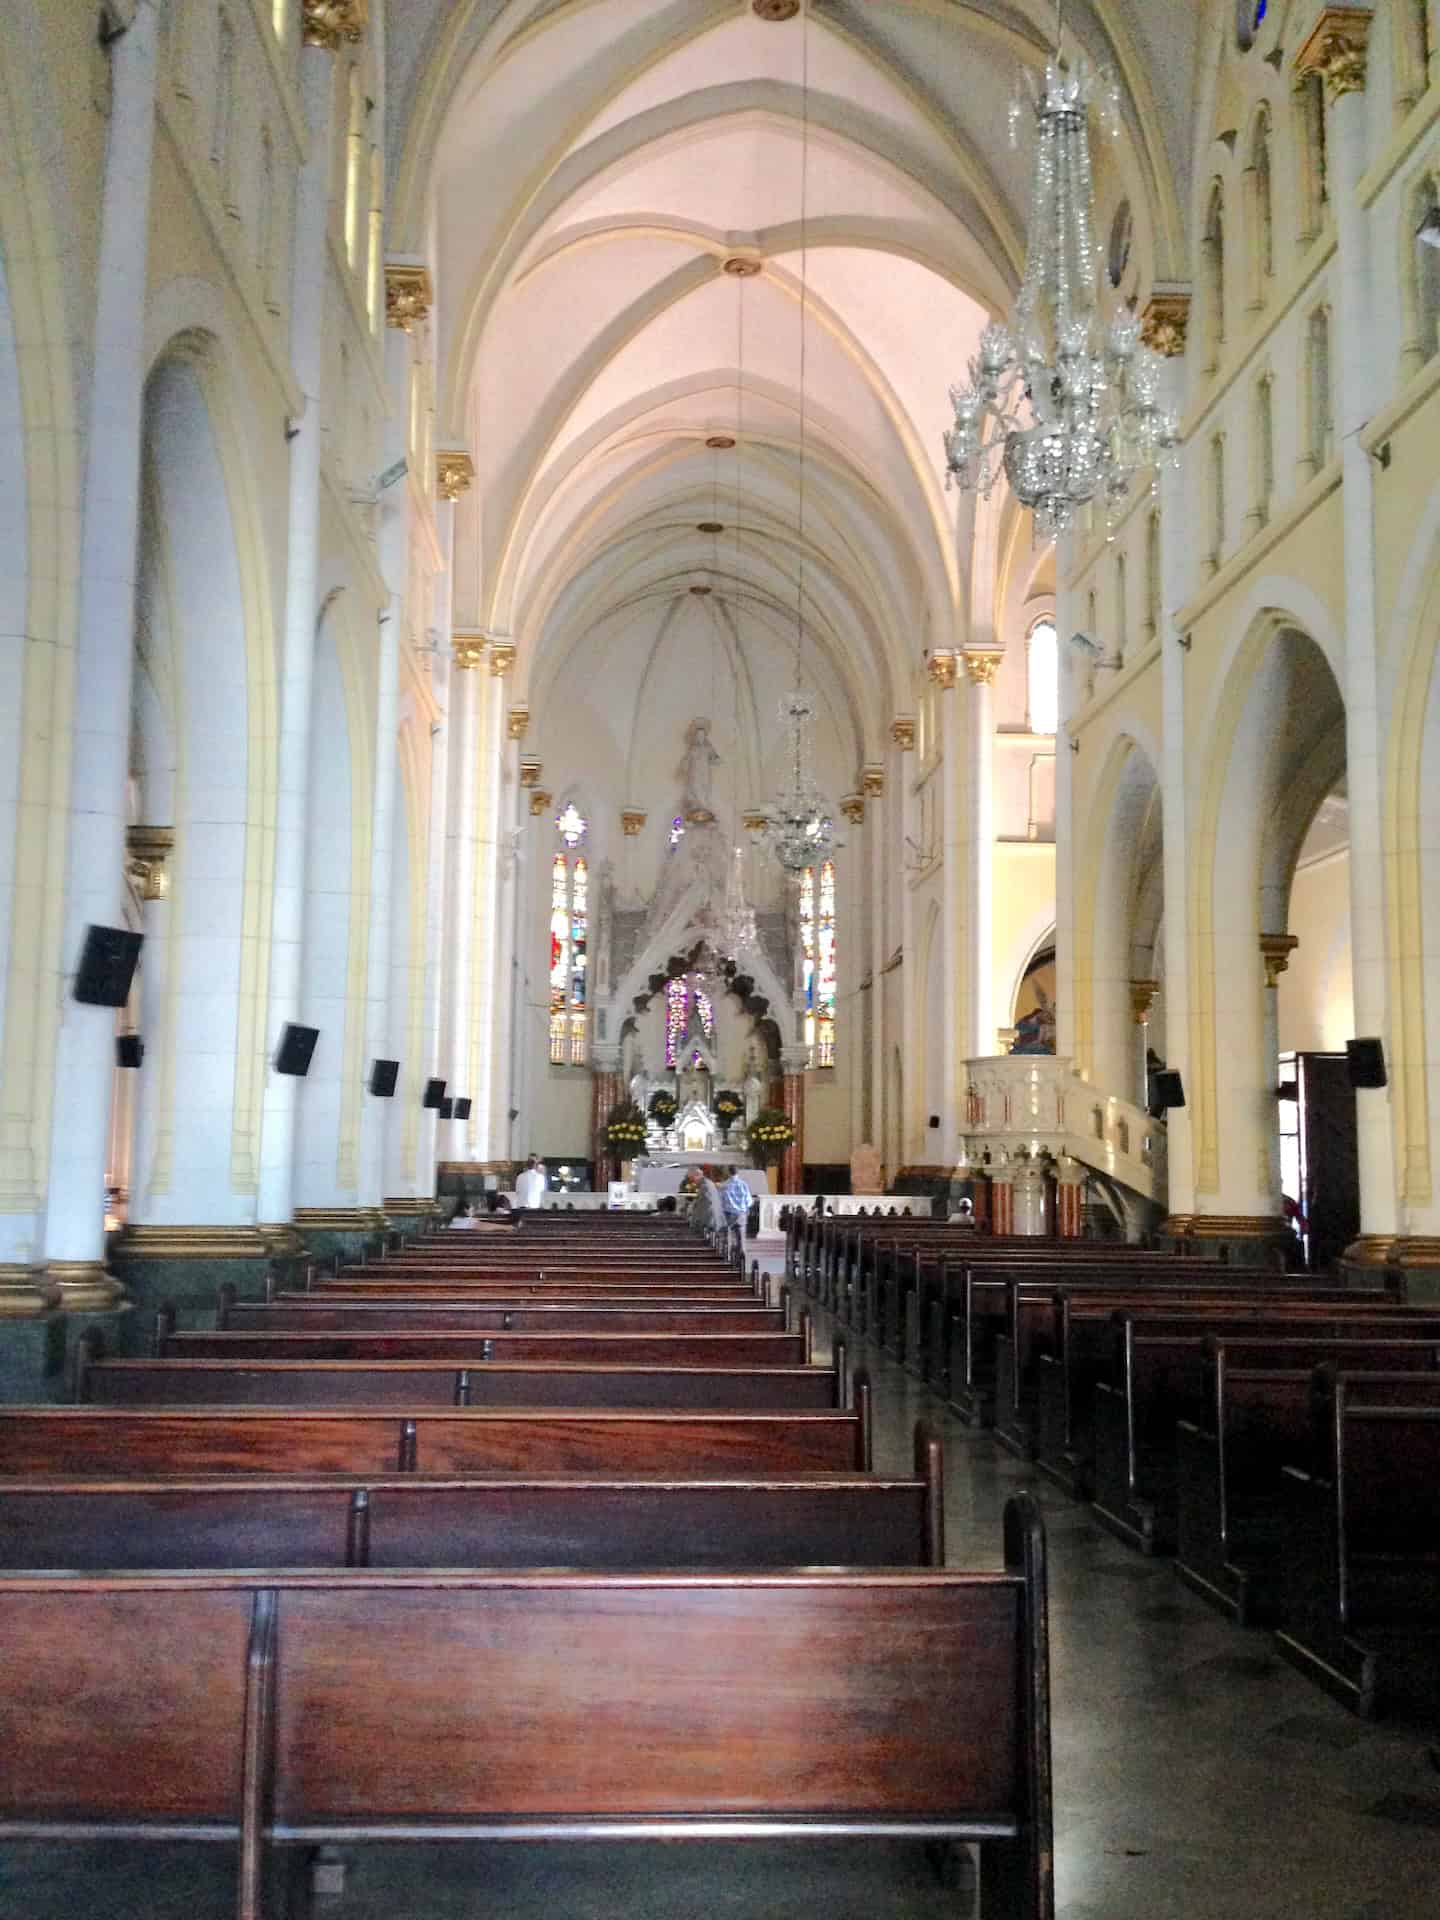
(1195, 1776)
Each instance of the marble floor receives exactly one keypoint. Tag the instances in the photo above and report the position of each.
(1195, 1775)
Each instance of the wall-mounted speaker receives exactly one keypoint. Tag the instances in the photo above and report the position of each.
(434, 1093)
(1367, 1062)
(1167, 1090)
(383, 1076)
(447, 1108)
(297, 1045)
(462, 1107)
(129, 1050)
(934, 1120)
(107, 966)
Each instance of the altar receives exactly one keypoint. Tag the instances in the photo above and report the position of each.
(668, 1175)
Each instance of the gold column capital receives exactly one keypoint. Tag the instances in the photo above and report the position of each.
(943, 668)
(1165, 321)
(1142, 998)
(632, 821)
(1275, 951)
(454, 472)
(409, 293)
(530, 771)
(754, 821)
(539, 802)
(467, 649)
(902, 732)
(872, 777)
(517, 723)
(326, 23)
(852, 808)
(1337, 50)
(502, 657)
(146, 851)
(84, 1286)
(982, 665)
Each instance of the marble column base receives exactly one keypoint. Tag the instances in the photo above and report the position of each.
(1239, 1239)
(185, 1265)
(26, 1293)
(32, 1357)
(408, 1216)
(1417, 1257)
(349, 1231)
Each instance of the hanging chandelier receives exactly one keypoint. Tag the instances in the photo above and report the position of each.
(738, 933)
(798, 828)
(1066, 406)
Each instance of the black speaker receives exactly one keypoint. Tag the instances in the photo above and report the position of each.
(383, 1075)
(447, 1108)
(462, 1108)
(297, 1044)
(129, 1050)
(107, 966)
(1167, 1090)
(434, 1093)
(934, 1119)
(1367, 1062)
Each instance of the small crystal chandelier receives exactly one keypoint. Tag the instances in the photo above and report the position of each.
(1068, 407)
(737, 930)
(798, 828)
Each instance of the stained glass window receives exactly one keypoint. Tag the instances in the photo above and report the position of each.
(571, 825)
(818, 963)
(1043, 692)
(569, 926)
(677, 1018)
(677, 830)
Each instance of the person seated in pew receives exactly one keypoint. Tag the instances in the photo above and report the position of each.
(463, 1218)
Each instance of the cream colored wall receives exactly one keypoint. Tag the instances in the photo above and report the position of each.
(1024, 915)
(1316, 1003)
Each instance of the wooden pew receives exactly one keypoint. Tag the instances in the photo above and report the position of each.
(411, 1520)
(1158, 1380)
(351, 1707)
(133, 1440)
(1361, 1554)
(1257, 1419)
(301, 1311)
(462, 1349)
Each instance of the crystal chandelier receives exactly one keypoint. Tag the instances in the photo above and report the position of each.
(1067, 406)
(798, 828)
(737, 930)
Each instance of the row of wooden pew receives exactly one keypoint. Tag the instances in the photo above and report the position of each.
(552, 1535)
(1279, 1435)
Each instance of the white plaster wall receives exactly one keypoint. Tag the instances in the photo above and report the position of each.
(14, 586)
(1316, 1006)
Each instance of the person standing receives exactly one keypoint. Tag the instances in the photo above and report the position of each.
(530, 1187)
(707, 1213)
(735, 1200)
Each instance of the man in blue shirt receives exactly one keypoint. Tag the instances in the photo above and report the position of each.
(735, 1200)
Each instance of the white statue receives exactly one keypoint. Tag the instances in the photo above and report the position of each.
(753, 1085)
(696, 770)
(640, 1083)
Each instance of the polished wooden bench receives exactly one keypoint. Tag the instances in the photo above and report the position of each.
(306, 1310)
(1257, 1418)
(305, 1709)
(1361, 1554)
(190, 1440)
(636, 1349)
(90, 1525)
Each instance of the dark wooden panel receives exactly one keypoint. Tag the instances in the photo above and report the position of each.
(309, 1311)
(469, 1349)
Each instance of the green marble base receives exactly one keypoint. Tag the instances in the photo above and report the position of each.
(324, 1242)
(191, 1282)
(32, 1358)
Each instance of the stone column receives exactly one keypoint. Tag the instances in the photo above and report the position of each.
(794, 1061)
(605, 1096)
(497, 988)
(1069, 1198)
(979, 750)
(956, 917)
(1142, 998)
(1337, 51)
(309, 260)
(1028, 1195)
(467, 682)
(1275, 952)
(103, 669)
(1064, 805)
(1002, 1201)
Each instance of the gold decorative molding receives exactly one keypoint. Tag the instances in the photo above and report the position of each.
(282, 1241)
(409, 294)
(502, 657)
(740, 266)
(754, 821)
(775, 10)
(902, 732)
(454, 472)
(632, 821)
(872, 780)
(326, 23)
(982, 665)
(943, 668)
(406, 1207)
(699, 817)
(1337, 50)
(84, 1286)
(467, 649)
(26, 1293)
(1275, 951)
(530, 771)
(852, 808)
(1232, 1226)
(146, 851)
(1142, 998)
(517, 723)
(1411, 1250)
(539, 802)
(340, 1219)
(192, 1243)
(1371, 1250)
(1165, 321)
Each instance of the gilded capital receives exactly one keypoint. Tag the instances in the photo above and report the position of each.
(409, 294)
(1336, 50)
(1275, 951)
(754, 821)
(632, 821)
(467, 649)
(1165, 321)
(326, 23)
(530, 771)
(872, 781)
(539, 802)
(454, 471)
(943, 668)
(1142, 998)
(902, 732)
(852, 808)
(517, 722)
(146, 851)
(982, 667)
(502, 657)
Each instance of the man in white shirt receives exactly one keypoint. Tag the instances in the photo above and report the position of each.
(530, 1187)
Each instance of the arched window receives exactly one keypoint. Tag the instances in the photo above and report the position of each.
(1424, 264)
(678, 995)
(1153, 582)
(1318, 427)
(1213, 257)
(354, 157)
(1217, 501)
(1122, 608)
(375, 267)
(1042, 680)
(1311, 160)
(1261, 190)
(1264, 448)
(817, 949)
(569, 934)
(265, 221)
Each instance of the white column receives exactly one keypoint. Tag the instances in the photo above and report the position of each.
(506, 1026)
(979, 752)
(1356, 400)
(1065, 807)
(466, 688)
(955, 793)
(486, 1061)
(287, 920)
(439, 929)
(74, 1225)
